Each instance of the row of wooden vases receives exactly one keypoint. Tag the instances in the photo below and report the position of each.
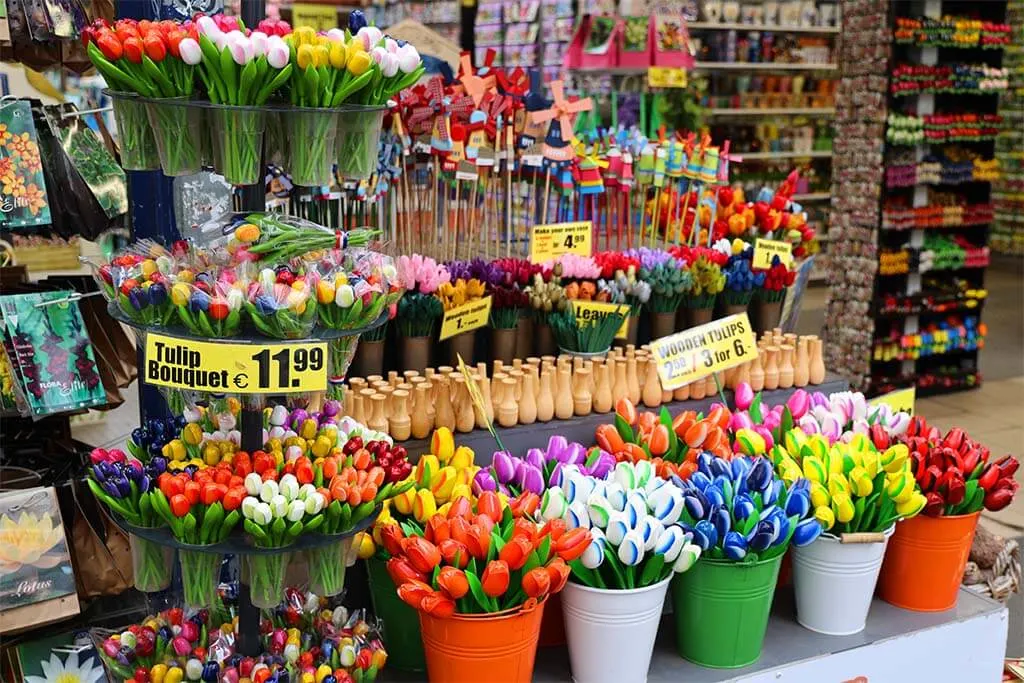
(549, 387)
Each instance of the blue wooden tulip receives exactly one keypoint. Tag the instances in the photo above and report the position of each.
(714, 495)
(806, 532)
(760, 474)
(707, 530)
(742, 507)
(722, 522)
(704, 464)
(798, 503)
(720, 468)
(771, 494)
(763, 537)
(740, 466)
(700, 480)
(735, 546)
(694, 507)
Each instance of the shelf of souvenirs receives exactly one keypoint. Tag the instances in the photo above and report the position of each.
(957, 32)
(898, 218)
(909, 130)
(955, 335)
(768, 28)
(963, 168)
(719, 66)
(940, 253)
(939, 296)
(933, 382)
(771, 111)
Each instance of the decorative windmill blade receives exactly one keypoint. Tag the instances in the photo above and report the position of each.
(563, 110)
(474, 86)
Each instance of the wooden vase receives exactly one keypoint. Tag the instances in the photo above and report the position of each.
(465, 415)
(697, 389)
(620, 385)
(399, 422)
(563, 395)
(786, 371)
(652, 387)
(771, 367)
(816, 374)
(445, 415)
(603, 394)
(528, 400)
(802, 365)
(508, 411)
(582, 399)
(484, 385)
(545, 398)
(378, 418)
(757, 372)
(632, 381)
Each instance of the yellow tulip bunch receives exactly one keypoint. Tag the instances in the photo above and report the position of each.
(453, 295)
(326, 69)
(854, 487)
(442, 476)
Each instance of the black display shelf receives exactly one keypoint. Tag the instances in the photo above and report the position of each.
(520, 438)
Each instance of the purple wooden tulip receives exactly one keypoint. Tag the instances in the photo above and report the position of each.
(798, 403)
(519, 473)
(819, 399)
(298, 417)
(483, 480)
(744, 396)
(555, 478)
(808, 424)
(533, 480)
(557, 445)
(535, 457)
(503, 466)
(576, 454)
(831, 428)
(605, 463)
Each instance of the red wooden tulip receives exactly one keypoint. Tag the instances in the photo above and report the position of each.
(437, 529)
(453, 581)
(558, 573)
(478, 541)
(454, 553)
(536, 582)
(413, 592)
(401, 571)
(421, 553)
(495, 578)
(437, 605)
(489, 504)
(516, 552)
(572, 544)
(391, 538)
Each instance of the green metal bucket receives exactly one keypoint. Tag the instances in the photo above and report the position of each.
(401, 623)
(721, 610)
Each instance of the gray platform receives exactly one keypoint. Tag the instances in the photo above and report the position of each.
(962, 645)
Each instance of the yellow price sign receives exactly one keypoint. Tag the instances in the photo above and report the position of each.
(554, 239)
(466, 317)
(589, 312)
(695, 353)
(766, 250)
(899, 400)
(223, 366)
(320, 17)
(666, 77)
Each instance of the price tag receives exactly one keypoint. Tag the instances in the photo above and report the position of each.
(899, 400)
(554, 239)
(222, 366)
(465, 318)
(666, 77)
(766, 250)
(589, 312)
(695, 353)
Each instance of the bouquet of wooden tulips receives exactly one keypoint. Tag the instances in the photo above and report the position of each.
(439, 478)
(854, 487)
(634, 519)
(671, 444)
(480, 558)
(738, 510)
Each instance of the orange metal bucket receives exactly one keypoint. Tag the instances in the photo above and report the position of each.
(482, 648)
(925, 562)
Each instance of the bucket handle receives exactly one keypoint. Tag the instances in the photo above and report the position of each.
(862, 537)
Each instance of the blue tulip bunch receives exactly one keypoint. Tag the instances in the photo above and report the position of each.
(148, 440)
(739, 510)
(740, 278)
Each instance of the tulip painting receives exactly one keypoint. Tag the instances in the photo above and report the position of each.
(633, 517)
(480, 558)
(738, 510)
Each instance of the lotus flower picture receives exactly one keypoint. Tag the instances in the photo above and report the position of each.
(68, 671)
(29, 540)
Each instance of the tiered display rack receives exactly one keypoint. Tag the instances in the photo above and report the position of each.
(1008, 191)
(933, 239)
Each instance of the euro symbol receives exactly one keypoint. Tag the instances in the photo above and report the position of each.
(240, 381)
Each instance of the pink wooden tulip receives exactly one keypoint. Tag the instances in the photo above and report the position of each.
(744, 396)
(798, 403)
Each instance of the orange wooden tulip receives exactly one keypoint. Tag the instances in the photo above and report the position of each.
(391, 536)
(715, 437)
(454, 553)
(683, 421)
(525, 528)
(460, 507)
(635, 453)
(453, 581)
(478, 541)
(436, 529)
(572, 543)
(516, 552)
(421, 553)
(525, 503)
(554, 528)
(608, 438)
(484, 522)
(696, 434)
(489, 504)
(659, 440)
(558, 573)
(646, 421)
(401, 571)
(438, 605)
(413, 592)
(495, 578)
(625, 409)
(719, 417)
(459, 529)
(536, 582)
